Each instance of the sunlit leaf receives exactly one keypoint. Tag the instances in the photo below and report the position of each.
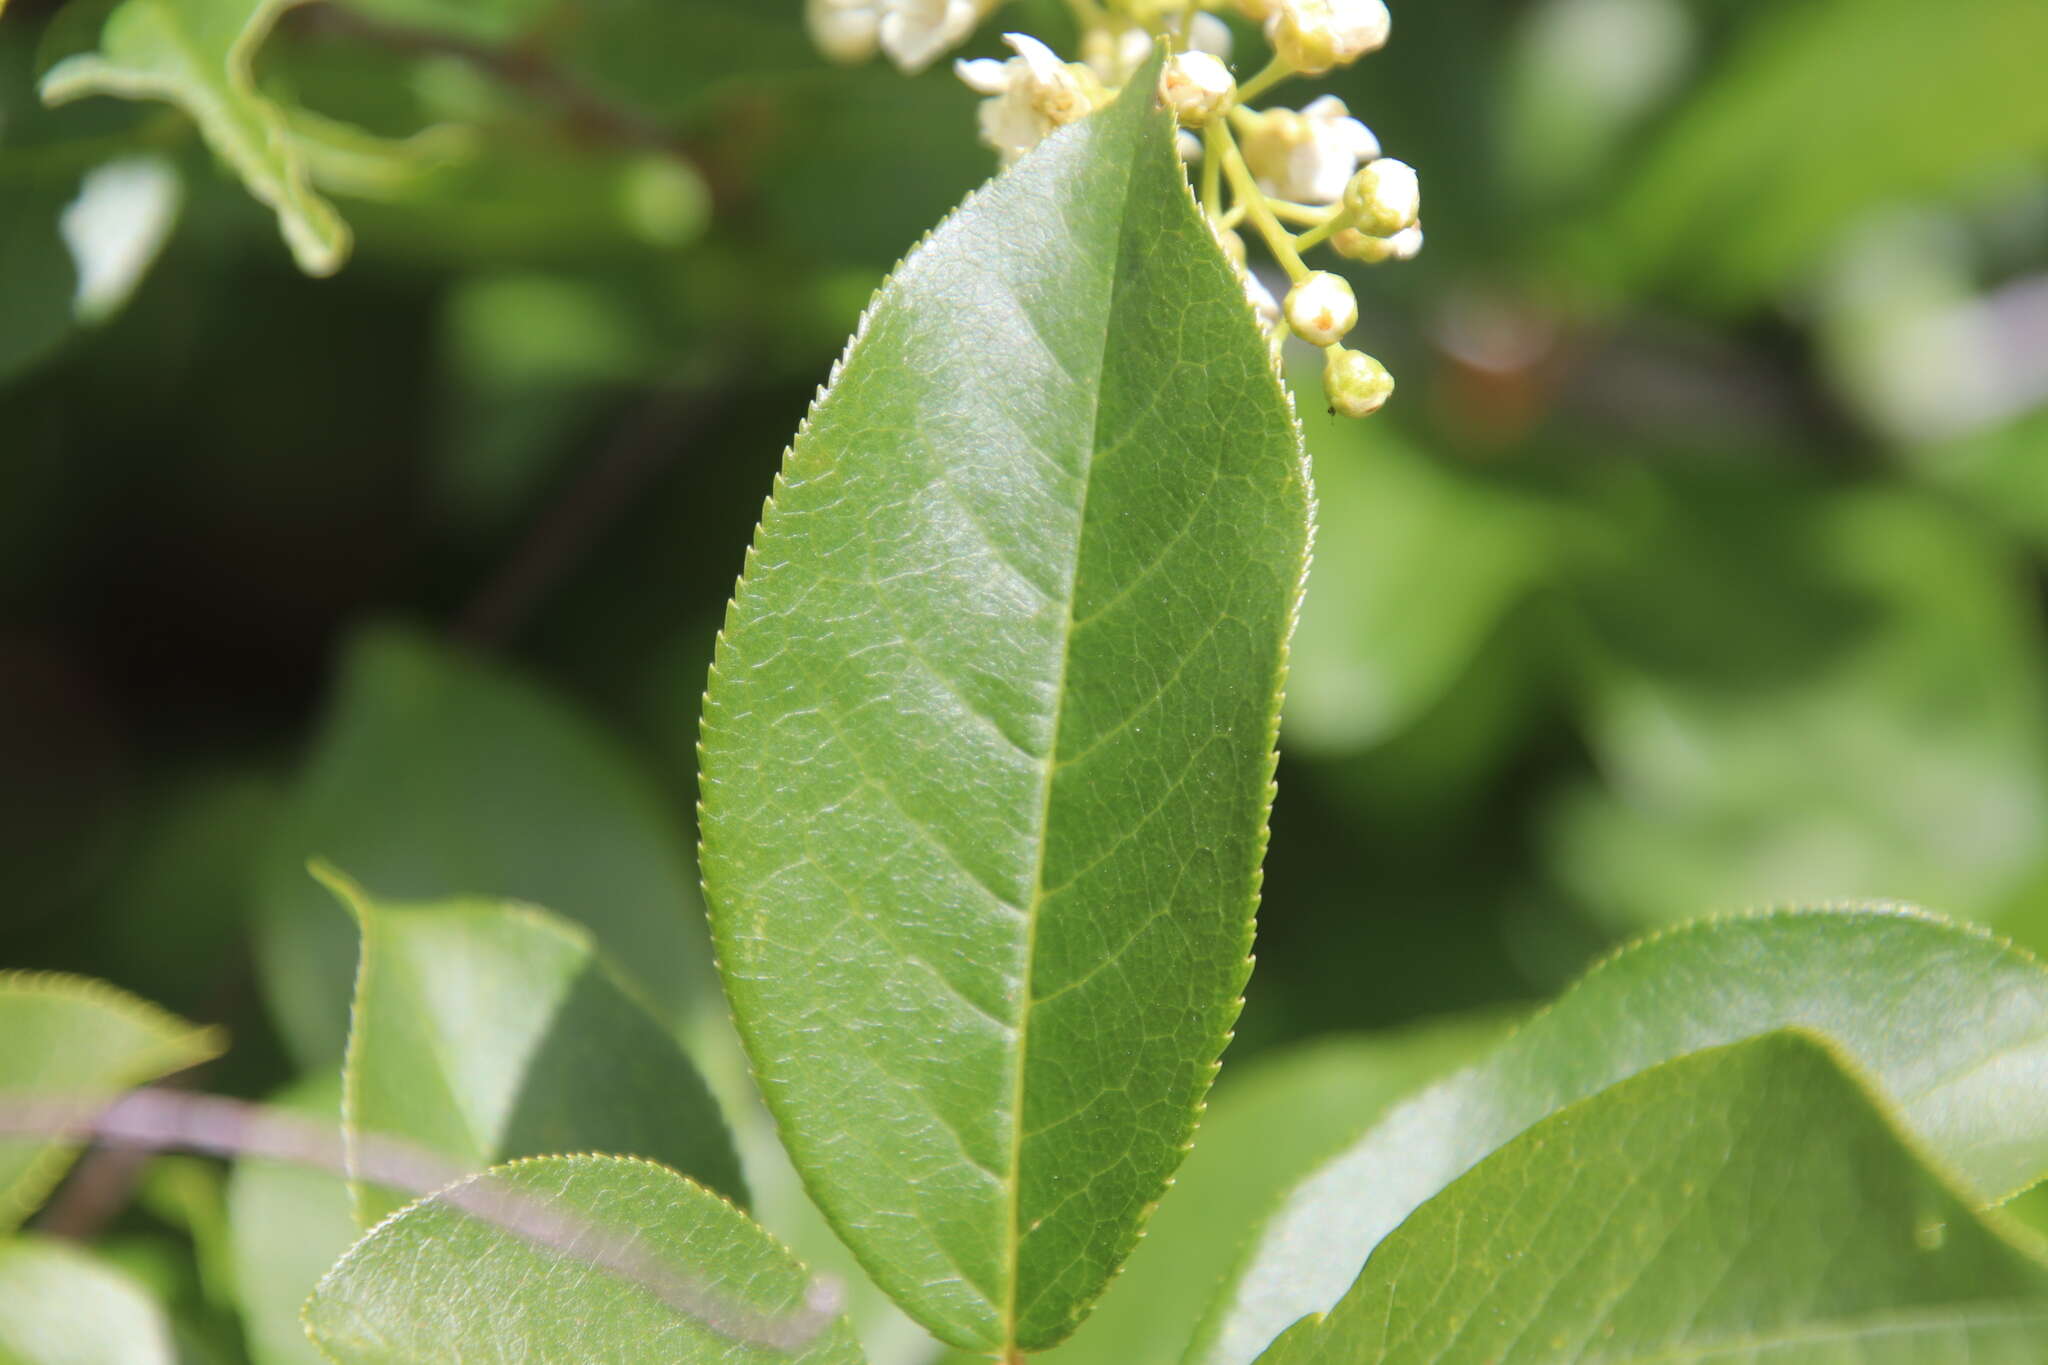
(706, 1285)
(61, 1305)
(988, 745)
(484, 1031)
(1949, 1024)
(1748, 1203)
(199, 55)
(73, 1043)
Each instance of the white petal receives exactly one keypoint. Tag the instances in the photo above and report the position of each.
(1044, 64)
(115, 228)
(985, 75)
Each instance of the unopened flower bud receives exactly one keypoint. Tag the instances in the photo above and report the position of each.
(1356, 384)
(1404, 245)
(1321, 309)
(1383, 198)
(1255, 10)
(1196, 87)
(1314, 35)
(1233, 246)
(846, 31)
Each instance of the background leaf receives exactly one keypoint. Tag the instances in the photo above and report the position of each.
(436, 1283)
(436, 775)
(199, 55)
(1949, 1024)
(71, 1039)
(987, 750)
(60, 1305)
(485, 1031)
(1746, 1203)
(287, 1226)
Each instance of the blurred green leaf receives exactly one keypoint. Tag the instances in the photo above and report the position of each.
(436, 774)
(1824, 110)
(1271, 1121)
(287, 1225)
(1745, 1203)
(75, 1043)
(1799, 696)
(1949, 1024)
(439, 1283)
(486, 1031)
(199, 55)
(1416, 563)
(60, 1305)
(987, 748)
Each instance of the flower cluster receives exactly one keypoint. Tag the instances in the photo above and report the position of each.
(1301, 178)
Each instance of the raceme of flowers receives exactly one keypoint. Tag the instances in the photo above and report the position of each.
(1301, 178)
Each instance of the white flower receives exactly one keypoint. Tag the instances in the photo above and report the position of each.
(1196, 87)
(1031, 94)
(1207, 34)
(1314, 35)
(845, 30)
(1322, 309)
(1113, 54)
(1384, 198)
(914, 32)
(1308, 156)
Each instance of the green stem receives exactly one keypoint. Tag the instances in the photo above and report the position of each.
(1276, 71)
(1253, 199)
(1213, 138)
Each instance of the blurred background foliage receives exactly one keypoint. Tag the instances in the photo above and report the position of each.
(1697, 566)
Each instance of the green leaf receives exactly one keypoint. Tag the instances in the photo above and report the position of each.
(485, 1031)
(1398, 527)
(1948, 1023)
(287, 1226)
(988, 746)
(63, 1306)
(439, 775)
(1270, 1122)
(72, 1039)
(199, 55)
(1797, 695)
(1748, 1203)
(1822, 112)
(438, 1283)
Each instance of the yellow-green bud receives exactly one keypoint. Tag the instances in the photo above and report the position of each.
(1196, 87)
(1357, 385)
(1383, 198)
(1321, 309)
(1404, 245)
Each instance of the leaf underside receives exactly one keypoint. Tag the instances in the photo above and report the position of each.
(988, 745)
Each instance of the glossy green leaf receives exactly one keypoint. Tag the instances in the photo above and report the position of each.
(1748, 1203)
(439, 1283)
(72, 1039)
(484, 1031)
(199, 55)
(1948, 1023)
(60, 1305)
(439, 775)
(1270, 1122)
(287, 1226)
(988, 745)
(1821, 112)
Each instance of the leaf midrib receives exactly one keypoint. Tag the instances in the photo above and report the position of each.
(1050, 767)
